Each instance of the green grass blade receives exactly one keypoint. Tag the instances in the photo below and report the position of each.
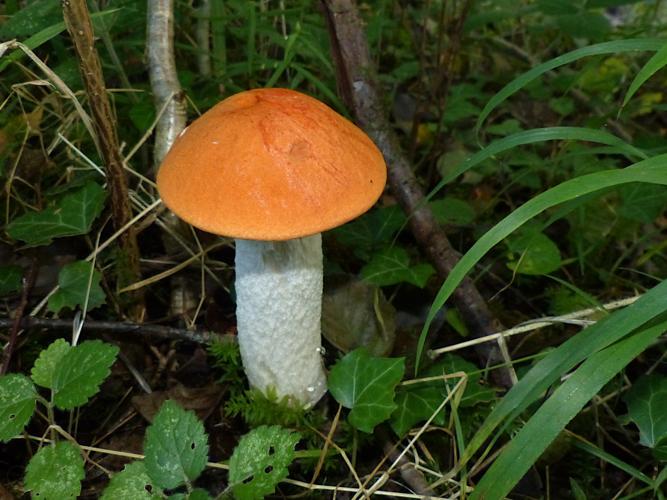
(521, 81)
(568, 400)
(540, 135)
(657, 62)
(653, 171)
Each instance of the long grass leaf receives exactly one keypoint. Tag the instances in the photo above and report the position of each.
(568, 400)
(522, 80)
(657, 62)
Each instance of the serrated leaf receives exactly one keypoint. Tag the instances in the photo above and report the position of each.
(533, 253)
(55, 472)
(10, 279)
(176, 446)
(72, 216)
(260, 461)
(17, 404)
(392, 265)
(366, 386)
(80, 372)
(45, 365)
(73, 282)
(416, 404)
(647, 408)
(132, 483)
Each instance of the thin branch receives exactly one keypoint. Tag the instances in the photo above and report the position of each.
(357, 82)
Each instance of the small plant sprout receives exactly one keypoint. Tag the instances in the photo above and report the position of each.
(273, 168)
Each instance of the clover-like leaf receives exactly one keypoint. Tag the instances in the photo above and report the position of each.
(392, 265)
(132, 483)
(71, 216)
(55, 472)
(73, 287)
(45, 366)
(176, 446)
(366, 386)
(647, 408)
(80, 372)
(10, 279)
(260, 461)
(17, 404)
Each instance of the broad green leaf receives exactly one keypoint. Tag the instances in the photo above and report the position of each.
(34, 17)
(73, 287)
(452, 211)
(132, 483)
(416, 404)
(652, 171)
(80, 372)
(615, 47)
(642, 203)
(55, 472)
(73, 215)
(533, 253)
(45, 366)
(10, 279)
(17, 404)
(590, 25)
(260, 461)
(647, 408)
(565, 403)
(366, 386)
(176, 446)
(474, 392)
(657, 62)
(392, 265)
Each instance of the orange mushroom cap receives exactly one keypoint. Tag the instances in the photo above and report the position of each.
(271, 164)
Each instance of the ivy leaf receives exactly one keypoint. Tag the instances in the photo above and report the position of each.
(55, 472)
(474, 392)
(416, 404)
(366, 385)
(80, 372)
(260, 461)
(392, 265)
(45, 366)
(17, 404)
(647, 408)
(71, 216)
(132, 483)
(73, 283)
(10, 279)
(176, 446)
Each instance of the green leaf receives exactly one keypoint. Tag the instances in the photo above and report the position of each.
(474, 392)
(80, 372)
(366, 386)
(392, 265)
(590, 25)
(452, 211)
(45, 366)
(55, 472)
(371, 231)
(17, 404)
(565, 403)
(10, 279)
(642, 203)
(176, 446)
(533, 253)
(657, 62)
(260, 461)
(72, 215)
(416, 404)
(132, 483)
(647, 408)
(73, 287)
(34, 17)
(521, 81)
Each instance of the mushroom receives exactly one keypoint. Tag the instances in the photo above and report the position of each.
(273, 168)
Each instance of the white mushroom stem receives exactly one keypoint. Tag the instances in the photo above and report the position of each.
(278, 308)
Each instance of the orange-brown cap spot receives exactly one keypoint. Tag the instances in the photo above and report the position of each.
(271, 164)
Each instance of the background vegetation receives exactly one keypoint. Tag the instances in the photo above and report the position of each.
(537, 130)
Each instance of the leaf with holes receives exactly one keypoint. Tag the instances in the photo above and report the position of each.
(10, 279)
(392, 266)
(77, 282)
(647, 408)
(366, 385)
(80, 372)
(17, 404)
(176, 446)
(132, 483)
(45, 366)
(71, 216)
(260, 461)
(55, 472)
